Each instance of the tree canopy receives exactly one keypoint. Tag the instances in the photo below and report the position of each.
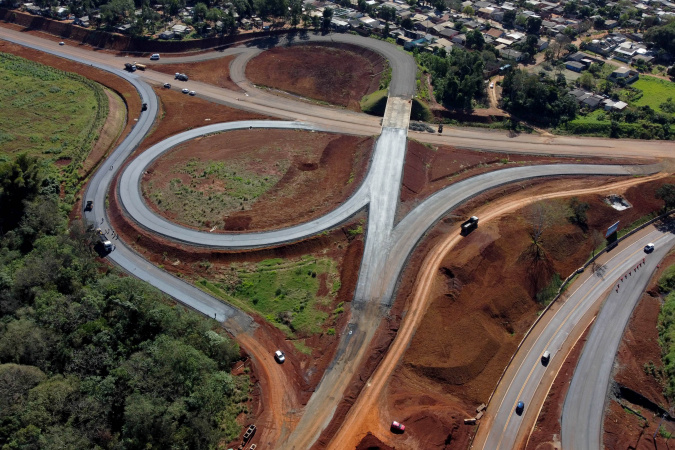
(541, 101)
(457, 78)
(93, 359)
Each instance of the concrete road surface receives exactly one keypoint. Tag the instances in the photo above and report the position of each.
(583, 411)
(532, 379)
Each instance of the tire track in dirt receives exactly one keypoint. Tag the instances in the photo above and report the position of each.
(280, 401)
(366, 414)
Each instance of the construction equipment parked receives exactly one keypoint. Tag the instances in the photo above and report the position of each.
(139, 66)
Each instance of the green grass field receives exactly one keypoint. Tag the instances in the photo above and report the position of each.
(216, 189)
(284, 292)
(46, 111)
(654, 92)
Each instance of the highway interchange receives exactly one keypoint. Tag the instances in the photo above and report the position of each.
(387, 245)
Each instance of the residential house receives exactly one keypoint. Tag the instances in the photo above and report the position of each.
(82, 21)
(496, 33)
(459, 39)
(592, 101)
(575, 66)
(625, 74)
(508, 53)
(601, 46)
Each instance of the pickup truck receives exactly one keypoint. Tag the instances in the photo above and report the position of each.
(130, 67)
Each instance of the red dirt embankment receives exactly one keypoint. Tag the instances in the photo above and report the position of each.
(640, 368)
(339, 74)
(302, 372)
(324, 169)
(449, 369)
(212, 71)
(430, 168)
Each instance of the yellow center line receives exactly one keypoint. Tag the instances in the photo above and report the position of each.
(558, 329)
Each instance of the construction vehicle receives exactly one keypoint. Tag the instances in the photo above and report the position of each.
(139, 66)
(130, 67)
(469, 225)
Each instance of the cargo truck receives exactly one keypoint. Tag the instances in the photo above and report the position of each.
(469, 225)
(130, 67)
(139, 66)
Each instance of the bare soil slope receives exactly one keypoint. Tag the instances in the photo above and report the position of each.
(483, 302)
(212, 71)
(639, 370)
(298, 176)
(340, 75)
(429, 168)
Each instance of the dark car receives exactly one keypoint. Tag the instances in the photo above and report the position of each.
(520, 407)
(90, 205)
(649, 248)
(167, 85)
(144, 107)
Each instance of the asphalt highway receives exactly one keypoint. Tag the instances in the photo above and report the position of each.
(341, 120)
(532, 379)
(97, 190)
(133, 202)
(387, 247)
(583, 411)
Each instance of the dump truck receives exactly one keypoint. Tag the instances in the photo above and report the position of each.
(130, 67)
(139, 66)
(469, 225)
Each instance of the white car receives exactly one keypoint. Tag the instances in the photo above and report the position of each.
(492, 85)
(193, 93)
(185, 91)
(62, 43)
(279, 356)
(167, 85)
(649, 248)
(154, 57)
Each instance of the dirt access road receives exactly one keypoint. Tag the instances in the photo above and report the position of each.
(364, 416)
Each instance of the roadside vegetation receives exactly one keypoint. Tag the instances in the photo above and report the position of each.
(46, 111)
(650, 114)
(51, 114)
(90, 358)
(666, 328)
(457, 77)
(294, 295)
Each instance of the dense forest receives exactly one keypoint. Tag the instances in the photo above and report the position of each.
(90, 358)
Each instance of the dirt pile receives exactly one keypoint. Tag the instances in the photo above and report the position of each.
(315, 173)
(370, 442)
(339, 74)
